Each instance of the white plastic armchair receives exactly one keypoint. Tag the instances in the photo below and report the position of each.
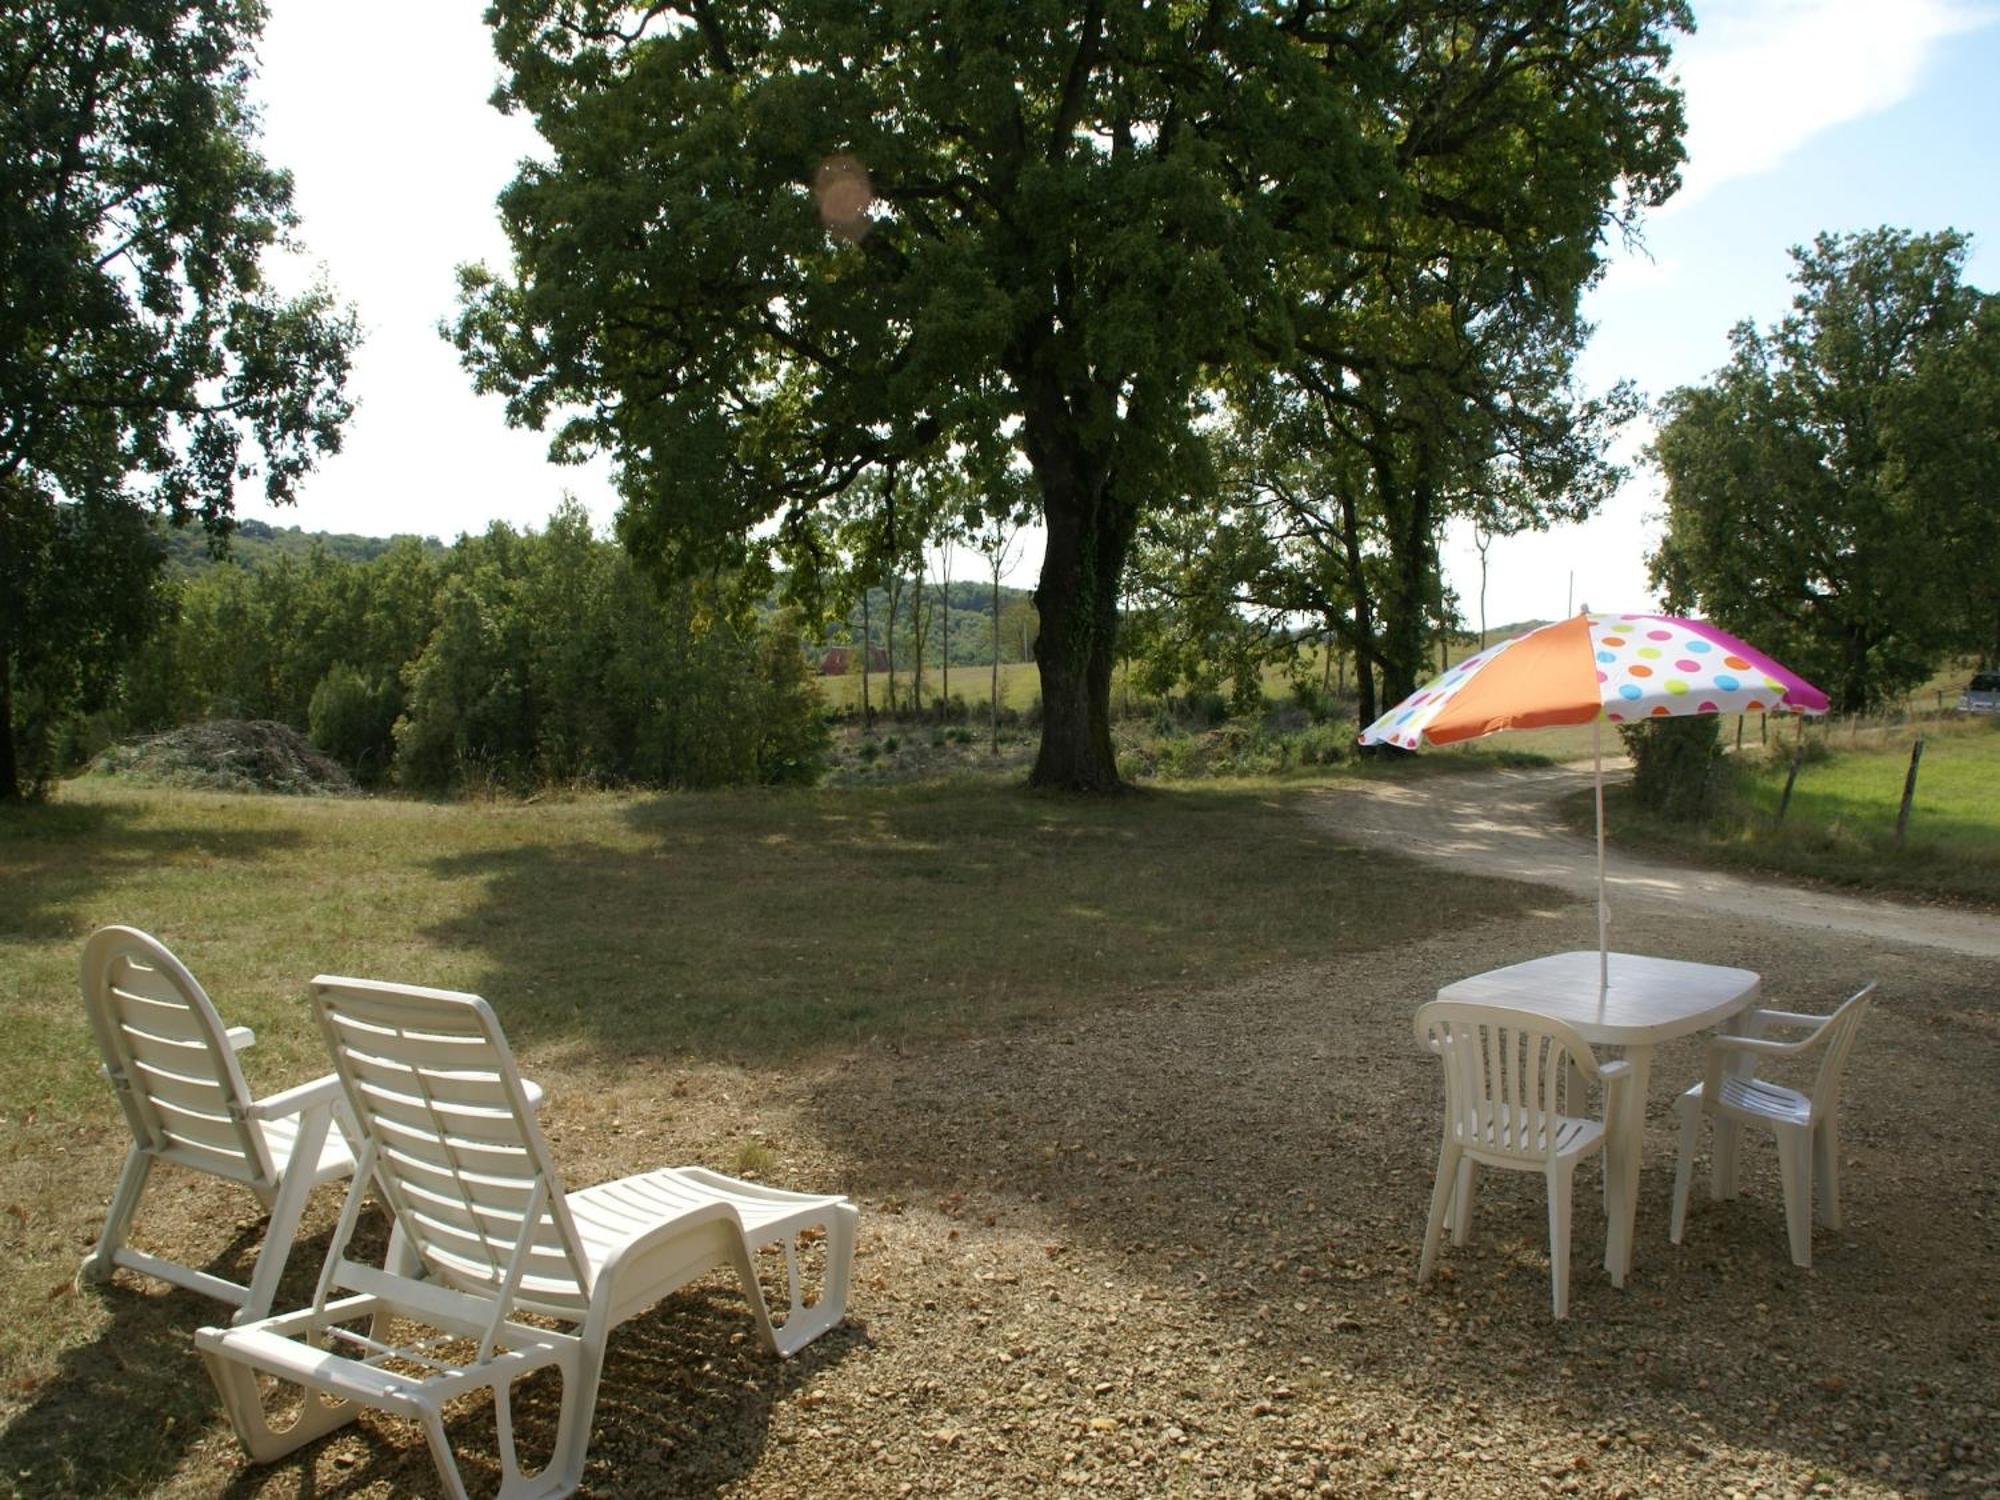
(485, 1233)
(1508, 1075)
(173, 1065)
(1806, 1125)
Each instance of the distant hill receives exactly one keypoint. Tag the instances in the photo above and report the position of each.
(254, 544)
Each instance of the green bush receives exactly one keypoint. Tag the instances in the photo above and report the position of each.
(354, 720)
(1675, 765)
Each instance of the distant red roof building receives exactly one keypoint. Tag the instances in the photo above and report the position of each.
(838, 661)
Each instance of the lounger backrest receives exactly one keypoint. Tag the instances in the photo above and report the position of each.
(1504, 1075)
(169, 1058)
(1838, 1039)
(457, 1153)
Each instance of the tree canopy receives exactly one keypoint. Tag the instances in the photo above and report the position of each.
(776, 247)
(1834, 490)
(145, 364)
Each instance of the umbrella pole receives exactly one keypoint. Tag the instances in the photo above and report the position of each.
(1603, 908)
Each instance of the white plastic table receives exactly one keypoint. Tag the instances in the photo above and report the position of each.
(1648, 1001)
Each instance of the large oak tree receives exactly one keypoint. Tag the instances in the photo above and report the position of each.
(145, 365)
(776, 246)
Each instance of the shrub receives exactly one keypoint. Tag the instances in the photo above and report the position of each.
(353, 720)
(1674, 764)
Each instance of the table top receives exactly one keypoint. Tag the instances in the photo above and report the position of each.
(1649, 999)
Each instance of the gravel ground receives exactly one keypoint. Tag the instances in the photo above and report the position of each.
(1504, 822)
(1169, 1250)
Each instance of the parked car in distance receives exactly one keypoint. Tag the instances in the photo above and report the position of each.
(1982, 696)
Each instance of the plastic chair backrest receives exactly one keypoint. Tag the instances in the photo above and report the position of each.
(456, 1151)
(168, 1056)
(1838, 1037)
(1505, 1072)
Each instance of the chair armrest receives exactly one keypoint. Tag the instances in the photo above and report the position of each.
(327, 1090)
(1763, 1046)
(240, 1038)
(292, 1101)
(1786, 1018)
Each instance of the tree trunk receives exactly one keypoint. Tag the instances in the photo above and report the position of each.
(1077, 599)
(10, 772)
(998, 558)
(1364, 618)
(1403, 623)
(1069, 432)
(867, 652)
(944, 634)
(919, 628)
(894, 591)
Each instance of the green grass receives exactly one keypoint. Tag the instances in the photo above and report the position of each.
(1840, 826)
(1020, 686)
(751, 926)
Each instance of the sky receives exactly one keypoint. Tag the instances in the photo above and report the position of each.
(1803, 116)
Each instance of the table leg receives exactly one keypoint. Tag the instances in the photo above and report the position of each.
(1621, 1166)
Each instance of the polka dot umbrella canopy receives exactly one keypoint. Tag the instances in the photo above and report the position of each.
(1595, 669)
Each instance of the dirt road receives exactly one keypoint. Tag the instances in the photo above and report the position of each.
(1505, 823)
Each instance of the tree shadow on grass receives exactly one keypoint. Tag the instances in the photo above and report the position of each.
(123, 1410)
(765, 928)
(55, 856)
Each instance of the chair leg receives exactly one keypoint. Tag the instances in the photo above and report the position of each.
(286, 1210)
(442, 1458)
(1795, 1171)
(804, 1324)
(1826, 1172)
(1690, 1112)
(118, 1222)
(1561, 1180)
(236, 1383)
(564, 1471)
(1463, 1199)
(1722, 1165)
(1441, 1195)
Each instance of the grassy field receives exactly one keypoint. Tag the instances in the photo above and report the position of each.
(1020, 686)
(621, 939)
(610, 932)
(1841, 823)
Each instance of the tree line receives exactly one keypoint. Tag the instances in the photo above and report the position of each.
(512, 659)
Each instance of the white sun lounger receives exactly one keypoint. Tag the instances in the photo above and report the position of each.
(484, 1232)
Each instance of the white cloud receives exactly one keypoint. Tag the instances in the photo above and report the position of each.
(1762, 77)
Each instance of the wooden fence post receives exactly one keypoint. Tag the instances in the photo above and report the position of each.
(1798, 759)
(1909, 790)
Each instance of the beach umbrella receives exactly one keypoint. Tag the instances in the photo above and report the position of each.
(1593, 669)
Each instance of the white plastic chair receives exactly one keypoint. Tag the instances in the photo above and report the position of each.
(483, 1233)
(175, 1071)
(1805, 1124)
(1506, 1075)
